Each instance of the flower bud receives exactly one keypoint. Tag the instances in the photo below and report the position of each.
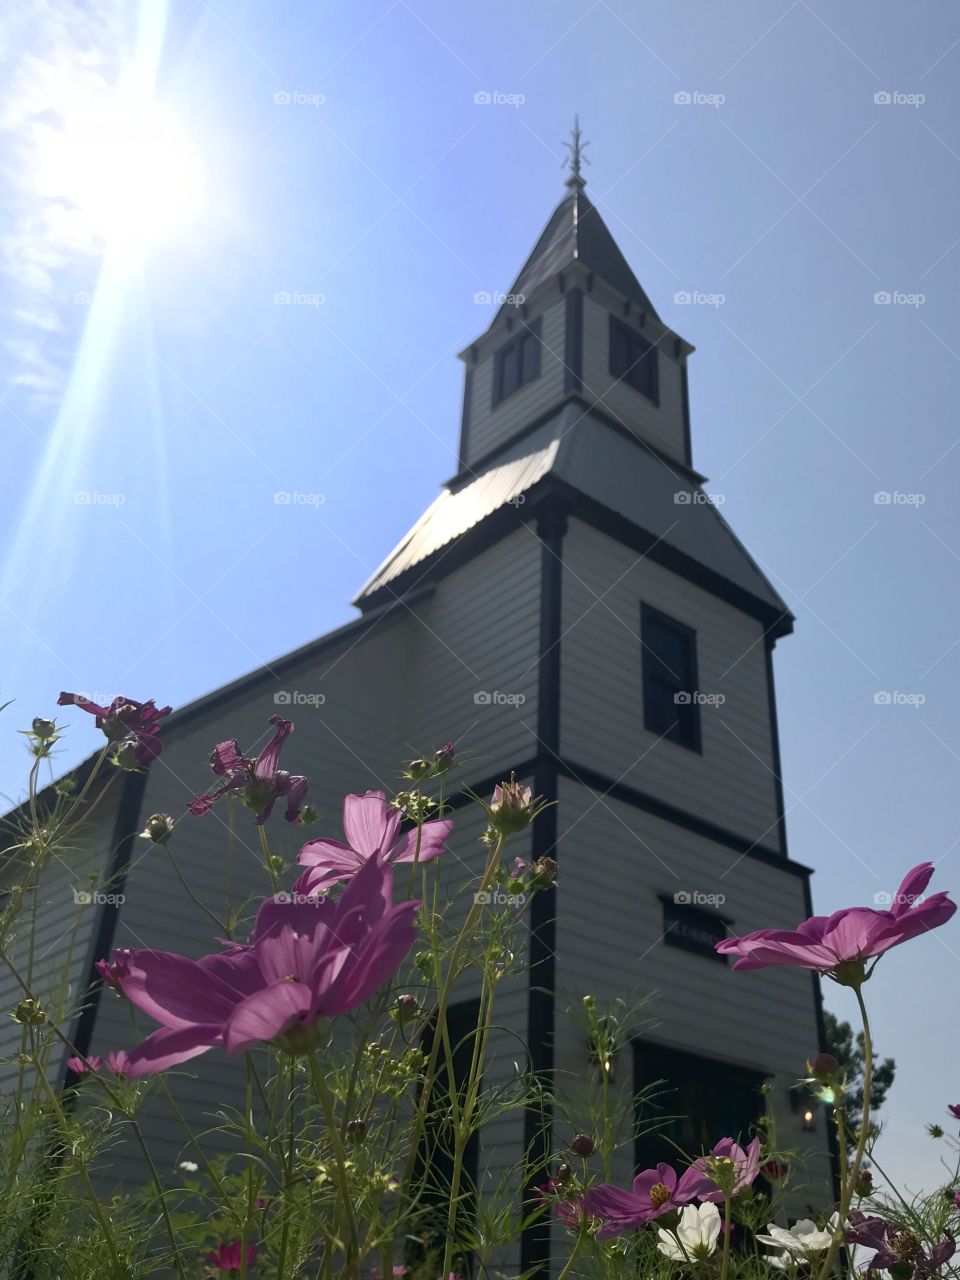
(43, 729)
(543, 873)
(444, 757)
(563, 1175)
(512, 807)
(583, 1145)
(356, 1130)
(864, 1183)
(935, 1130)
(824, 1066)
(407, 1007)
(159, 828)
(307, 814)
(418, 770)
(773, 1170)
(29, 1013)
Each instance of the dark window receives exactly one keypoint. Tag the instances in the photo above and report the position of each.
(696, 1102)
(691, 927)
(435, 1162)
(517, 362)
(670, 706)
(633, 360)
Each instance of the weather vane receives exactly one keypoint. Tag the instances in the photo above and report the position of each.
(577, 146)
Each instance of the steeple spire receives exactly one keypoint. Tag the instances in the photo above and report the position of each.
(576, 159)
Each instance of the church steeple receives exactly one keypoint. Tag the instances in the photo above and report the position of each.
(575, 323)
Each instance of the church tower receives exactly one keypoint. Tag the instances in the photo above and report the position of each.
(621, 638)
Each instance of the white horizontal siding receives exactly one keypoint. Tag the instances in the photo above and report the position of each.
(661, 425)
(731, 783)
(489, 426)
(477, 633)
(53, 934)
(614, 862)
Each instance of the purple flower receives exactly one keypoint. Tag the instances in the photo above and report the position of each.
(118, 1063)
(898, 1247)
(655, 1192)
(229, 1257)
(729, 1168)
(131, 725)
(954, 1109)
(80, 1066)
(258, 780)
(847, 937)
(114, 971)
(372, 828)
(305, 961)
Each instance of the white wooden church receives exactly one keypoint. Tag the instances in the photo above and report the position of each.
(574, 608)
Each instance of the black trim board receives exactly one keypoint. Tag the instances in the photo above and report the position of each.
(775, 750)
(465, 416)
(541, 977)
(505, 519)
(685, 401)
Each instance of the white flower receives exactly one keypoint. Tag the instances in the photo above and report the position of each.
(697, 1233)
(188, 1166)
(802, 1240)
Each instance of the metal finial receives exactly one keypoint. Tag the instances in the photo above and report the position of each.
(576, 159)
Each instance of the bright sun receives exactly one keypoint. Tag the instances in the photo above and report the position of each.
(130, 173)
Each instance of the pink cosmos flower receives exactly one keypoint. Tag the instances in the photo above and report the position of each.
(117, 1063)
(655, 1192)
(745, 1167)
(132, 725)
(372, 828)
(229, 1257)
(954, 1109)
(305, 961)
(260, 782)
(849, 936)
(113, 971)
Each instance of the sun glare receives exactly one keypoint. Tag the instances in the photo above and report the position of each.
(130, 172)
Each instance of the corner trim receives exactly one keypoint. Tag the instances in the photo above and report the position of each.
(542, 972)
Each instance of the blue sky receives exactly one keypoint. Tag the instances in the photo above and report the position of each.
(345, 161)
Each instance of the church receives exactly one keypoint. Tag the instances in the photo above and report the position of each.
(573, 608)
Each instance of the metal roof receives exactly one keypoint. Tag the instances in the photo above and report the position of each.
(589, 455)
(577, 233)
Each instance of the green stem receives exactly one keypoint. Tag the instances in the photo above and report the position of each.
(853, 1173)
(573, 1253)
(154, 1174)
(326, 1103)
(725, 1259)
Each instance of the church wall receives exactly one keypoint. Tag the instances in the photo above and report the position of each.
(731, 782)
(491, 427)
(471, 673)
(614, 862)
(54, 957)
(348, 743)
(661, 425)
